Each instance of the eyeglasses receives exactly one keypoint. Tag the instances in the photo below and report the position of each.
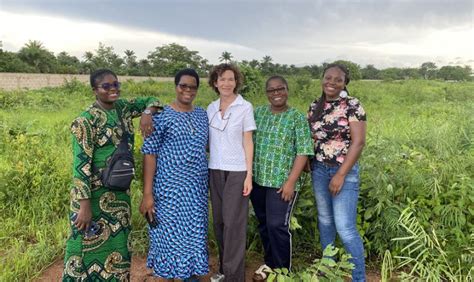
(276, 90)
(192, 88)
(107, 86)
(217, 124)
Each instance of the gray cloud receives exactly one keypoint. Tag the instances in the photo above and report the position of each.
(276, 28)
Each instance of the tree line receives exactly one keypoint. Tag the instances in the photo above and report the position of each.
(166, 60)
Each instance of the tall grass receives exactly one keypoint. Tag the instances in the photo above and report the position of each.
(418, 156)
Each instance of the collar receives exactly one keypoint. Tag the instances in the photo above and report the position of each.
(238, 101)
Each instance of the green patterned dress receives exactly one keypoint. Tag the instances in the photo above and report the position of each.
(105, 256)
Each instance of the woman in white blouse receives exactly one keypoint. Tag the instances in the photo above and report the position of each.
(231, 123)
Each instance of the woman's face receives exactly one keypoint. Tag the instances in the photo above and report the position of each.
(277, 93)
(333, 82)
(226, 83)
(186, 90)
(107, 90)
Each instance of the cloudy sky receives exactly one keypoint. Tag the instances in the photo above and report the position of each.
(401, 33)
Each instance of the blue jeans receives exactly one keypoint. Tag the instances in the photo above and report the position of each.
(339, 213)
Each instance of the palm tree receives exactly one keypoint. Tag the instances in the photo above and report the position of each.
(37, 56)
(266, 64)
(226, 57)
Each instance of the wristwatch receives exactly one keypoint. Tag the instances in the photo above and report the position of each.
(147, 112)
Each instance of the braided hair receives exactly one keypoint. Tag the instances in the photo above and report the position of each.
(322, 100)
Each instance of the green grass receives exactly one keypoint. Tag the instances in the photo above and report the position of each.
(419, 155)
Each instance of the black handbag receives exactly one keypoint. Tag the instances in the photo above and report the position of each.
(120, 168)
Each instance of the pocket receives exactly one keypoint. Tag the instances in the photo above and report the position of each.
(353, 175)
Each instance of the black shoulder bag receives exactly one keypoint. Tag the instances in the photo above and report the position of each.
(120, 168)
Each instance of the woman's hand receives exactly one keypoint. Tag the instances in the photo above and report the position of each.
(147, 206)
(247, 185)
(84, 216)
(146, 125)
(336, 183)
(287, 191)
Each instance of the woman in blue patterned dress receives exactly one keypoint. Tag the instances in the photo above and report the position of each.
(175, 179)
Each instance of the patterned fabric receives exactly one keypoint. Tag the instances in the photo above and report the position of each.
(106, 255)
(178, 245)
(279, 138)
(331, 132)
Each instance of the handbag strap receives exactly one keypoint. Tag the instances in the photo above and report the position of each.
(123, 145)
(122, 124)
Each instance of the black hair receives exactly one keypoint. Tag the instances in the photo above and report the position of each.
(322, 100)
(277, 77)
(190, 72)
(100, 74)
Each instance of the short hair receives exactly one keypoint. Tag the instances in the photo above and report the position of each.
(100, 74)
(277, 77)
(190, 72)
(219, 70)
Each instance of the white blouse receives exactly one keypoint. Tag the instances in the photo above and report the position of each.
(226, 134)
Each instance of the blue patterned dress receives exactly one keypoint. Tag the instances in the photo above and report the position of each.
(178, 245)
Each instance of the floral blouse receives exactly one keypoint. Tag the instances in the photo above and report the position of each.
(331, 132)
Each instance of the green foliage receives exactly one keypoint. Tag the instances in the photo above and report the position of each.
(324, 269)
(38, 57)
(418, 160)
(354, 69)
(167, 60)
(253, 82)
(426, 254)
(455, 73)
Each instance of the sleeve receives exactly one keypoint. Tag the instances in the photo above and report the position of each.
(304, 142)
(152, 143)
(249, 120)
(138, 105)
(355, 112)
(83, 150)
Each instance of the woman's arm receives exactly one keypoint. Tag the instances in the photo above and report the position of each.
(358, 129)
(145, 107)
(287, 190)
(248, 149)
(149, 168)
(83, 150)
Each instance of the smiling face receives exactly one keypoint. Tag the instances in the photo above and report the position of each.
(107, 90)
(226, 83)
(333, 82)
(277, 94)
(186, 90)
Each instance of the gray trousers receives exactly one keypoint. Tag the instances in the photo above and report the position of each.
(230, 214)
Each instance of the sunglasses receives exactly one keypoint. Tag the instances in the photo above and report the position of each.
(185, 87)
(276, 90)
(107, 86)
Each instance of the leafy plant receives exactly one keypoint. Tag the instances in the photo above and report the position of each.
(324, 269)
(424, 254)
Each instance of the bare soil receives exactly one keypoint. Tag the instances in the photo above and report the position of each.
(139, 272)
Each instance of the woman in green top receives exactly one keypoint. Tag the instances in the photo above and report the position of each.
(98, 248)
(282, 146)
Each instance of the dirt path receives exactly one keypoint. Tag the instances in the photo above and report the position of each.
(140, 273)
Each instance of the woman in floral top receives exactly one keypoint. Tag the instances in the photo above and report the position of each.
(338, 125)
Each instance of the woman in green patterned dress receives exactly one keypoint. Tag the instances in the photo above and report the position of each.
(104, 253)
